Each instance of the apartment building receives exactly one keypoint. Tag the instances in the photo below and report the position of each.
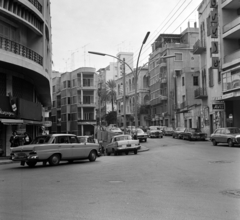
(25, 67)
(219, 50)
(173, 79)
(229, 23)
(74, 102)
(142, 98)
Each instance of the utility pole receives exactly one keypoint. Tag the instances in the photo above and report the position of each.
(124, 96)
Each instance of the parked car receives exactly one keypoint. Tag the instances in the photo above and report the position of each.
(139, 134)
(167, 131)
(229, 135)
(122, 143)
(193, 134)
(53, 149)
(154, 131)
(116, 130)
(177, 132)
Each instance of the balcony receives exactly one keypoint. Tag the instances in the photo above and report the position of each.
(18, 49)
(164, 80)
(36, 4)
(183, 105)
(232, 58)
(198, 47)
(232, 29)
(230, 4)
(200, 93)
(156, 101)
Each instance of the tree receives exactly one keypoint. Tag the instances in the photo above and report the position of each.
(111, 117)
(111, 91)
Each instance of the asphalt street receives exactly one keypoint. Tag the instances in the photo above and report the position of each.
(175, 179)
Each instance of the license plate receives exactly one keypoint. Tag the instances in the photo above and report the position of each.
(128, 145)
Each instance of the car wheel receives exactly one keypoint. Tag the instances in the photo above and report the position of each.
(92, 156)
(126, 152)
(115, 152)
(135, 151)
(173, 136)
(31, 163)
(230, 143)
(189, 138)
(162, 136)
(108, 153)
(214, 142)
(145, 139)
(54, 159)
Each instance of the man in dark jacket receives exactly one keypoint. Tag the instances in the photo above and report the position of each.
(14, 140)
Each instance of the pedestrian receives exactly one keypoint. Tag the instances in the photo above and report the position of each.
(14, 140)
(27, 139)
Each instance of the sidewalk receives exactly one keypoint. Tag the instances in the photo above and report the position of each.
(6, 160)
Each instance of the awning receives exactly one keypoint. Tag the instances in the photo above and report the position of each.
(19, 121)
(11, 121)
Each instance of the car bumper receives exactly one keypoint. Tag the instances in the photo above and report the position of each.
(25, 158)
(128, 149)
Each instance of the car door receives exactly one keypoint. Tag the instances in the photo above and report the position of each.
(78, 149)
(64, 146)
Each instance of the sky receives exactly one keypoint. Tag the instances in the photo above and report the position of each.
(113, 26)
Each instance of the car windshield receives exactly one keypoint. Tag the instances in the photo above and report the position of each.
(169, 129)
(233, 130)
(41, 140)
(82, 139)
(180, 129)
(122, 138)
(139, 131)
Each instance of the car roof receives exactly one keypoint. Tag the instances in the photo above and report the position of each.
(121, 135)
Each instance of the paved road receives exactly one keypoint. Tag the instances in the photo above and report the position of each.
(175, 179)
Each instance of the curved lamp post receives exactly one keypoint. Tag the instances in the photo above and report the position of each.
(136, 79)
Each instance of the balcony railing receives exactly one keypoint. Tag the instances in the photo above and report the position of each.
(231, 25)
(36, 4)
(183, 105)
(233, 56)
(200, 93)
(199, 47)
(21, 50)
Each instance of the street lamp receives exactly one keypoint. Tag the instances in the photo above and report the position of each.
(124, 83)
(136, 79)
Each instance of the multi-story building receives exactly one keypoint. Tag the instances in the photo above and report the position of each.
(219, 50)
(25, 67)
(173, 79)
(142, 96)
(74, 102)
(229, 24)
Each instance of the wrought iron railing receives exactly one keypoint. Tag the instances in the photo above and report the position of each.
(21, 50)
(36, 5)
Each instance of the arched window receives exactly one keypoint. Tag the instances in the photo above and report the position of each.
(133, 84)
(130, 85)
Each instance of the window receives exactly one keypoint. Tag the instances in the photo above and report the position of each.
(178, 57)
(210, 77)
(69, 117)
(64, 84)
(54, 104)
(190, 123)
(73, 83)
(69, 84)
(69, 100)
(53, 88)
(195, 80)
(183, 83)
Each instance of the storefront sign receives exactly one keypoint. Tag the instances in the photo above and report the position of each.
(218, 107)
(227, 96)
(5, 108)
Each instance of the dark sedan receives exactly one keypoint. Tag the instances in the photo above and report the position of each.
(193, 134)
(229, 135)
(177, 132)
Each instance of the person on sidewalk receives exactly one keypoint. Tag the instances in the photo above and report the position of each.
(14, 140)
(27, 139)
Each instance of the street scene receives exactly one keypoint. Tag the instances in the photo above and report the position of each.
(173, 179)
(120, 110)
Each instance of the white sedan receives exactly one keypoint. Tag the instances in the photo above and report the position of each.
(122, 143)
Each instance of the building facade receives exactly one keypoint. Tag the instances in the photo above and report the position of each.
(171, 79)
(219, 50)
(74, 102)
(25, 67)
(142, 96)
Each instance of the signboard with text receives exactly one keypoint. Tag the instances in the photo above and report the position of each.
(218, 106)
